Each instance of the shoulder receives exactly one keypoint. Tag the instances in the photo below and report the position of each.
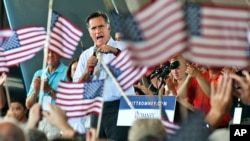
(62, 67)
(38, 73)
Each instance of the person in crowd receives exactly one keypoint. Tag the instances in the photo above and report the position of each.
(118, 36)
(18, 110)
(181, 82)
(71, 69)
(99, 28)
(245, 115)
(194, 85)
(52, 75)
(36, 135)
(244, 89)
(77, 123)
(11, 131)
(199, 126)
(178, 82)
(55, 112)
(202, 100)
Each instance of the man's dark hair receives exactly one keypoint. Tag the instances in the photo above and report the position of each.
(97, 14)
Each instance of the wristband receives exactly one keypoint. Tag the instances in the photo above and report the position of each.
(118, 52)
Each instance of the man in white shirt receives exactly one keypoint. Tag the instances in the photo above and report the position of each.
(106, 48)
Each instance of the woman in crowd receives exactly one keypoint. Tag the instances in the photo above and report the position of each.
(75, 123)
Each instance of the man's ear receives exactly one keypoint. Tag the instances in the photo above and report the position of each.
(109, 27)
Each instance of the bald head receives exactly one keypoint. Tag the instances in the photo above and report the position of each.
(11, 132)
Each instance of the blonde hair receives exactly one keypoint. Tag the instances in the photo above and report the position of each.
(180, 58)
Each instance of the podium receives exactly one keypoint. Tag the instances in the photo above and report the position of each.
(148, 107)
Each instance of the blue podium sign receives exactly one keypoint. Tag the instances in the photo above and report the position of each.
(145, 107)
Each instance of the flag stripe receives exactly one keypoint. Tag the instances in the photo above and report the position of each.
(64, 36)
(3, 65)
(24, 44)
(153, 50)
(130, 74)
(171, 127)
(80, 99)
(156, 39)
(4, 35)
(223, 37)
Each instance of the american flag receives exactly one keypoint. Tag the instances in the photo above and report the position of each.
(3, 65)
(153, 34)
(80, 99)
(218, 34)
(4, 35)
(23, 44)
(125, 73)
(171, 127)
(64, 36)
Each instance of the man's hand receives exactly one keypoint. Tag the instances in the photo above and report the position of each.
(37, 83)
(107, 49)
(92, 62)
(57, 117)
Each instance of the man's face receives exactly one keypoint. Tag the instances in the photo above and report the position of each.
(99, 31)
(53, 59)
(118, 36)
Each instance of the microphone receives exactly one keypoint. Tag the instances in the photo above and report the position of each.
(158, 71)
(91, 68)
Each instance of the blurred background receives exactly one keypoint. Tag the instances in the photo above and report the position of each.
(19, 13)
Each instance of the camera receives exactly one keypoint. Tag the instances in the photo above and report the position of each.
(165, 70)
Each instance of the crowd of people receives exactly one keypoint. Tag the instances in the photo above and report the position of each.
(209, 92)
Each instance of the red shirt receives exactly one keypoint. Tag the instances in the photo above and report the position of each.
(202, 102)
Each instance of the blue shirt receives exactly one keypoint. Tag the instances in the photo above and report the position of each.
(111, 92)
(53, 79)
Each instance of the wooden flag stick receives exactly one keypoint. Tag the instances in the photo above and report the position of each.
(7, 94)
(3, 81)
(46, 49)
(100, 114)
